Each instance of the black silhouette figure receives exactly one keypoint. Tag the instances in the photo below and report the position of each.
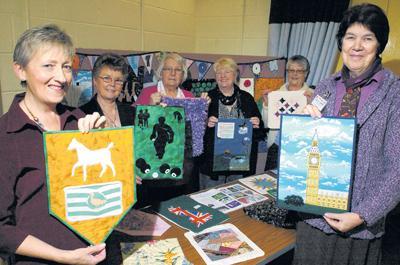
(162, 134)
(165, 168)
(142, 165)
(178, 116)
(140, 118)
(146, 116)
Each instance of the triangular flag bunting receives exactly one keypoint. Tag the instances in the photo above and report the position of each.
(148, 60)
(134, 63)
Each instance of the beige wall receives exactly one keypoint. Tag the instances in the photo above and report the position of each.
(391, 55)
(232, 26)
(118, 24)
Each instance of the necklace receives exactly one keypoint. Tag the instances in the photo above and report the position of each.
(35, 119)
(112, 122)
(227, 100)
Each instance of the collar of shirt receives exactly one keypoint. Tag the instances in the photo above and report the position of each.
(161, 90)
(19, 120)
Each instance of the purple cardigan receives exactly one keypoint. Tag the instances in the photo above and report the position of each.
(376, 184)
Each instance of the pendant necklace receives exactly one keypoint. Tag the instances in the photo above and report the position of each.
(227, 100)
(35, 119)
(112, 123)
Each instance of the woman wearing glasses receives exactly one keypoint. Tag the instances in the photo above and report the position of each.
(172, 71)
(297, 68)
(109, 74)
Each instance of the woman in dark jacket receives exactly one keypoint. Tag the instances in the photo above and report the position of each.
(228, 101)
(109, 74)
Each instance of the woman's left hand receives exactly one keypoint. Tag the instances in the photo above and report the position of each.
(205, 96)
(138, 180)
(343, 222)
(91, 121)
(255, 121)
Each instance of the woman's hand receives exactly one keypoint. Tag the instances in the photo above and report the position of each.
(36, 248)
(138, 180)
(91, 121)
(206, 97)
(265, 97)
(312, 110)
(212, 121)
(255, 121)
(84, 256)
(308, 94)
(155, 98)
(343, 222)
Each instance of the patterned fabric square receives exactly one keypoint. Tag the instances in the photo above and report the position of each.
(284, 102)
(264, 84)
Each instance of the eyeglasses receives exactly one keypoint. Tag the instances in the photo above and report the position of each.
(108, 80)
(171, 70)
(291, 71)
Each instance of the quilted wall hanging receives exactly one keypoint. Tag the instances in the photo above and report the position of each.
(90, 179)
(160, 139)
(264, 84)
(196, 113)
(284, 102)
(201, 75)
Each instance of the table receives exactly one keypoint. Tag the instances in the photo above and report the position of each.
(272, 240)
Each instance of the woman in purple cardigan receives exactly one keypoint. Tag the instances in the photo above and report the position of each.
(365, 90)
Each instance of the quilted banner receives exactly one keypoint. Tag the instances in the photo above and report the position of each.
(284, 102)
(160, 142)
(90, 179)
(264, 84)
(196, 112)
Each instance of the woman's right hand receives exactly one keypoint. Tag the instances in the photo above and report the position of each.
(265, 97)
(155, 98)
(85, 256)
(91, 121)
(312, 110)
(212, 120)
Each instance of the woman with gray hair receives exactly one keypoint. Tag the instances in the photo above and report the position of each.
(43, 64)
(364, 90)
(171, 72)
(297, 69)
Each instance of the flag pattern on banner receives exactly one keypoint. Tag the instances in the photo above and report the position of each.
(89, 202)
(203, 68)
(148, 61)
(273, 65)
(196, 217)
(92, 59)
(247, 84)
(134, 63)
(188, 63)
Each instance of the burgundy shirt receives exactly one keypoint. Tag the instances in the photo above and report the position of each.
(23, 191)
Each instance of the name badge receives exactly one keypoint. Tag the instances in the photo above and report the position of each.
(319, 102)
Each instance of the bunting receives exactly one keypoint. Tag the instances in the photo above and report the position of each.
(134, 63)
(148, 61)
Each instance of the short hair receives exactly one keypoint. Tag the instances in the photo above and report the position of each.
(371, 17)
(114, 61)
(177, 58)
(226, 62)
(299, 59)
(33, 39)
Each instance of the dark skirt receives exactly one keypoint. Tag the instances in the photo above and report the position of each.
(315, 247)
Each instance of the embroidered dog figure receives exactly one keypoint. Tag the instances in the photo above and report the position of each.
(87, 157)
